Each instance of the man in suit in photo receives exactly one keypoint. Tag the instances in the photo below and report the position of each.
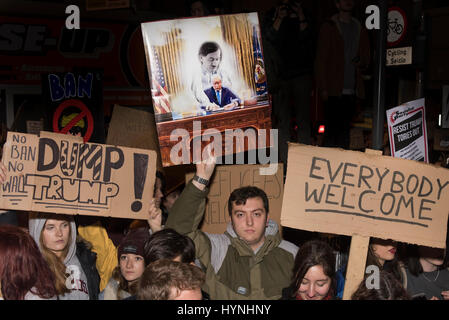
(221, 98)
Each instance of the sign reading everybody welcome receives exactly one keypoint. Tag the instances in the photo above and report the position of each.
(345, 192)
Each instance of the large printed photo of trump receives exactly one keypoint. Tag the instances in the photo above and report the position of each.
(198, 66)
(206, 74)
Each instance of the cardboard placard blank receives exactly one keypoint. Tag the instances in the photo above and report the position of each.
(230, 177)
(133, 128)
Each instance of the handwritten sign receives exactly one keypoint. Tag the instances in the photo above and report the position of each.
(230, 177)
(352, 193)
(75, 100)
(61, 174)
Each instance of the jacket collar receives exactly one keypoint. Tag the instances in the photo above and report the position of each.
(272, 239)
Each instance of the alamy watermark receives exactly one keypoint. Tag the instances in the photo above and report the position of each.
(189, 148)
(373, 280)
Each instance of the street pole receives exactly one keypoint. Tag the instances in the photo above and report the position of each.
(379, 79)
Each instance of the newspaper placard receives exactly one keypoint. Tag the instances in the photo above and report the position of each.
(61, 174)
(407, 131)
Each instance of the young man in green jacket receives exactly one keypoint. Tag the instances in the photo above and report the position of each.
(250, 260)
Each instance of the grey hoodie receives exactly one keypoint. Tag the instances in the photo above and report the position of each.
(79, 284)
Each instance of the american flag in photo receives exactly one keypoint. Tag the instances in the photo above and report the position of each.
(161, 98)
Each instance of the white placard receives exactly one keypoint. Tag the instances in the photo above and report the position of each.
(407, 131)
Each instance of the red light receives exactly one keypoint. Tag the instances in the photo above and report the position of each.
(321, 129)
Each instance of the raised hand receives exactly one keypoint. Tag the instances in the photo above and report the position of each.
(205, 168)
(155, 217)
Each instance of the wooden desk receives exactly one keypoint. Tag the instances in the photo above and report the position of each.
(256, 117)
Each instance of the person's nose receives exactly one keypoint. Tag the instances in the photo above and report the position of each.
(129, 264)
(58, 232)
(311, 291)
(249, 220)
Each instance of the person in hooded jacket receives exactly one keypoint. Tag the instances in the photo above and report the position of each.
(56, 237)
(250, 260)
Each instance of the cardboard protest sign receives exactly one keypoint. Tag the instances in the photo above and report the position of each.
(61, 174)
(133, 128)
(75, 103)
(230, 177)
(209, 71)
(347, 192)
(407, 131)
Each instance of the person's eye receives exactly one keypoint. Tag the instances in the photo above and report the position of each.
(49, 227)
(123, 258)
(321, 284)
(139, 258)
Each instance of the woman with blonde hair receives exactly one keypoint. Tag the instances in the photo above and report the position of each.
(73, 264)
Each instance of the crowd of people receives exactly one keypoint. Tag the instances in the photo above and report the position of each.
(64, 257)
(168, 257)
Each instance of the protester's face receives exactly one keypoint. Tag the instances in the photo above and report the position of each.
(384, 250)
(55, 235)
(197, 9)
(158, 195)
(249, 221)
(216, 83)
(345, 5)
(315, 285)
(211, 62)
(193, 294)
(433, 256)
(131, 266)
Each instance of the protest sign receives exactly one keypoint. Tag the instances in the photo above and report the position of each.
(61, 174)
(230, 177)
(348, 192)
(365, 195)
(407, 131)
(133, 128)
(207, 79)
(75, 103)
